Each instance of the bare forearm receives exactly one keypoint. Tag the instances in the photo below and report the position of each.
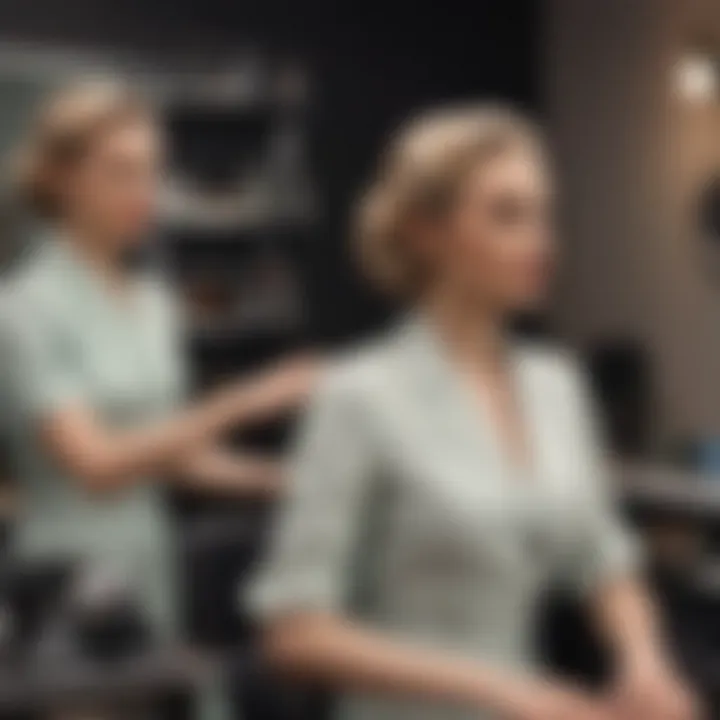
(628, 619)
(647, 683)
(339, 654)
(107, 459)
(216, 469)
(158, 447)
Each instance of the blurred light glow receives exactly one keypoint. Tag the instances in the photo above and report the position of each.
(696, 78)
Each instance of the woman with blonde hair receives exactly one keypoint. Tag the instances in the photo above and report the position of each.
(448, 473)
(92, 364)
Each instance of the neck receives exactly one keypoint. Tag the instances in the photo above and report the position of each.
(473, 334)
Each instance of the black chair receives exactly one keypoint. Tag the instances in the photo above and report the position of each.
(621, 374)
(32, 594)
(262, 695)
(219, 553)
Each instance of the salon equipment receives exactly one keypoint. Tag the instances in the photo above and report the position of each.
(31, 594)
(621, 377)
(264, 696)
(105, 616)
(219, 553)
(148, 679)
(238, 139)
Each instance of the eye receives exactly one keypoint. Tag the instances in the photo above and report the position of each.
(516, 209)
(512, 209)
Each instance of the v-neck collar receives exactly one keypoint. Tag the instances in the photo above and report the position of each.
(472, 415)
(85, 282)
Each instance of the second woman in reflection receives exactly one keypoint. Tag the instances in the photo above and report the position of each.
(91, 358)
(449, 473)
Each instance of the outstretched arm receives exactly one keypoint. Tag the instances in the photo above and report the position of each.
(102, 458)
(216, 469)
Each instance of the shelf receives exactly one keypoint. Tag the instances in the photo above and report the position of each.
(236, 225)
(664, 489)
(42, 687)
(223, 334)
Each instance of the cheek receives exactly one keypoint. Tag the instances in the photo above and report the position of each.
(129, 207)
(511, 264)
(137, 209)
(476, 252)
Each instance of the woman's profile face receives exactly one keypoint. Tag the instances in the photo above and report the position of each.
(498, 245)
(113, 190)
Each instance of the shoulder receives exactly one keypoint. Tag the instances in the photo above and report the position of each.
(43, 288)
(36, 282)
(358, 375)
(33, 321)
(31, 302)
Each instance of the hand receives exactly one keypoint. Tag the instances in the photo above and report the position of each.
(550, 701)
(283, 387)
(652, 691)
(294, 379)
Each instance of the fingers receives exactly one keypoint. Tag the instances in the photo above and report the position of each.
(662, 705)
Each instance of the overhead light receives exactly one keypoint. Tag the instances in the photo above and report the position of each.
(696, 78)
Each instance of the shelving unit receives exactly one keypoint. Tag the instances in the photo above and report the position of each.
(239, 217)
(660, 488)
(239, 213)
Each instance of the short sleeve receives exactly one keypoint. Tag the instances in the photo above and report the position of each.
(309, 566)
(175, 331)
(605, 547)
(41, 372)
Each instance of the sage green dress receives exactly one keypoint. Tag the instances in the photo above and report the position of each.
(406, 513)
(66, 340)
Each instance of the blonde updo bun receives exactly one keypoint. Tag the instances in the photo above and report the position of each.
(419, 176)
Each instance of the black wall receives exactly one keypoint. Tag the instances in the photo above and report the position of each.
(374, 62)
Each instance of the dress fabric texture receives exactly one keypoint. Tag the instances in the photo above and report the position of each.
(406, 513)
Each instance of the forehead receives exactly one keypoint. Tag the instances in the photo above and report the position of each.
(135, 137)
(519, 170)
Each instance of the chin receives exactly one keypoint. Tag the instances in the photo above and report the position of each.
(529, 303)
(132, 230)
(133, 235)
(129, 245)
